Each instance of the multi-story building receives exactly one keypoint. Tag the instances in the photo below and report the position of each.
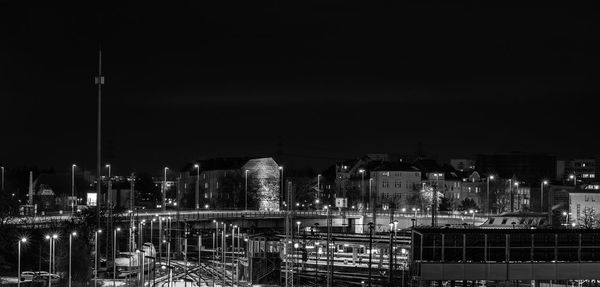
(391, 184)
(222, 183)
(584, 205)
(583, 170)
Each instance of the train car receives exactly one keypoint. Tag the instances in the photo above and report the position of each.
(128, 263)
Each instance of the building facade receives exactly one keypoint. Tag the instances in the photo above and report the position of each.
(392, 184)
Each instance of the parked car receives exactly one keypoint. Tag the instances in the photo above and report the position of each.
(44, 276)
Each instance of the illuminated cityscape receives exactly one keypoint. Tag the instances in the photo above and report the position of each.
(299, 144)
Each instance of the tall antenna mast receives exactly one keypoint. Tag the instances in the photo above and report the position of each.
(99, 80)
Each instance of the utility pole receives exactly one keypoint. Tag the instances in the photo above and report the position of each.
(391, 264)
(329, 225)
(371, 227)
(288, 244)
(99, 80)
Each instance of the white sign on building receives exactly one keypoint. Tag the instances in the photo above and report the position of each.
(341, 202)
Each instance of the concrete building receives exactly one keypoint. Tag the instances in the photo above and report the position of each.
(583, 169)
(392, 183)
(584, 205)
(223, 183)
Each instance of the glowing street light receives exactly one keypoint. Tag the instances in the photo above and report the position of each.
(164, 190)
(197, 167)
(574, 178)
(489, 204)
(109, 195)
(115, 254)
(96, 256)
(22, 240)
(544, 182)
(246, 189)
(298, 223)
(51, 240)
(70, 251)
(2, 171)
(73, 188)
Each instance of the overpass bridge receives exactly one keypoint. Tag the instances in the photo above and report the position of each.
(356, 220)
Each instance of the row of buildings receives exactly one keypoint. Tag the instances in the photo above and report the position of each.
(488, 183)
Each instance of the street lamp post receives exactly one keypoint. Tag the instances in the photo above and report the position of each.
(160, 238)
(316, 230)
(574, 178)
(246, 190)
(489, 204)
(2, 170)
(164, 190)
(96, 256)
(282, 189)
(19, 262)
(51, 240)
(544, 182)
(152, 230)
(362, 184)
(371, 227)
(73, 188)
(70, 252)
(298, 223)
(115, 254)
(391, 258)
(318, 191)
(109, 195)
(197, 167)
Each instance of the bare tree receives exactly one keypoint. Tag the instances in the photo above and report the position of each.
(589, 219)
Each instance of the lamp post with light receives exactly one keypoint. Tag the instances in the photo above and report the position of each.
(115, 254)
(197, 167)
(22, 240)
(73, 188)
(71, 235)
(2, 170)
(109, 195)
(246, 189)
(164, 190)
(544, 182)
(318, 191)
(391, 258)
(96, 256)
(282, 188)
(489, 203)
(371, 227)
(362, 185)
(51, 240)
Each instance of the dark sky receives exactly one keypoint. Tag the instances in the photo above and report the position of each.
(191, 79)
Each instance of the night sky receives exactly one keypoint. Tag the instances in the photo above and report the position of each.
(328, 80)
